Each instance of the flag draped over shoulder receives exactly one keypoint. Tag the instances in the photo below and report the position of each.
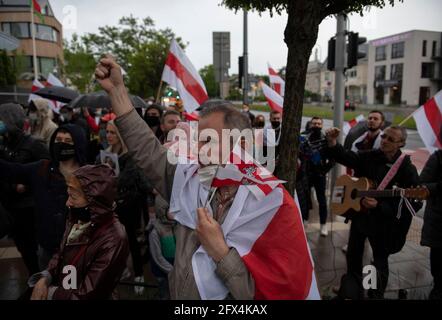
(263, 224)
(180, 74)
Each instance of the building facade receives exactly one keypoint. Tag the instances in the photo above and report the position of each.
(15, 19)
(404, 69)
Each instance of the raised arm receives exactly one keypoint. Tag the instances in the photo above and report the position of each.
(145, 148)
(337, 152)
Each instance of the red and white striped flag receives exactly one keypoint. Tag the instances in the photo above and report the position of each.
(275, 101)
(180, 74)
(242, 169)
(350, 124)
(54, 81)
(428, 122)
(277, 83)
(36, 85)
(267, 232)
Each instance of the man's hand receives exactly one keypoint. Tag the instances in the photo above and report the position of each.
(108, 73)
(369, 203)
(40, 291)
(20, 188)
(332, 135)
(210, 235)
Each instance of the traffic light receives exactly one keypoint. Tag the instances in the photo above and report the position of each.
(240, 71)
(331, 54)
(353, 53)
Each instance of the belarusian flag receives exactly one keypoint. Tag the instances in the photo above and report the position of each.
(37, 9)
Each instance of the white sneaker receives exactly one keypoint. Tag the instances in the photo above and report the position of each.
(139, 290)
(345, 248)
(324, 230)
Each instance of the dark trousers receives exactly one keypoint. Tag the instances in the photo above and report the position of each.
(355, 253)
(23, 233)
(319, 182)
(436, 272)
(131, 227)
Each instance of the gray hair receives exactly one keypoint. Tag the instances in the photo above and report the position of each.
(233, 118)
(403, 131)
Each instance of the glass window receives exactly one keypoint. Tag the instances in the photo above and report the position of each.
(381, 53)
(45, 33)
(397, 50)
(17, 29)
(47, 66)
(427, 70)
(379, 72)
(424, 48)
(433, 49)
(397, 71)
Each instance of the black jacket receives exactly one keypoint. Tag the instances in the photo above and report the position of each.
(381, 221)
(431, 177)
(49, 191)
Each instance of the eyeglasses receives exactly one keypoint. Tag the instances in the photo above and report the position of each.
(390, 139)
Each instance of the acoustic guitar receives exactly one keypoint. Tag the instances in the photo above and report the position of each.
(349, 191)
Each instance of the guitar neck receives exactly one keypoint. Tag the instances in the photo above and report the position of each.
(378, 193)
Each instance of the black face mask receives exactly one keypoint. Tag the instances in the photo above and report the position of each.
(315, 133)
(64, 151)
(259, 125)
(275, 124)
(82, 214)
(152, 121)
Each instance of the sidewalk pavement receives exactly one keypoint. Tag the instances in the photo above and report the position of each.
(409, 269)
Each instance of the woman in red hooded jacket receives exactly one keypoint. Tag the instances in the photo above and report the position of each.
(94, 249)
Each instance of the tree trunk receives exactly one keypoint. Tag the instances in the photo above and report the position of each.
(304, 17)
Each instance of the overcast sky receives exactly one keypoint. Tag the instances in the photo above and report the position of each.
(195, 20)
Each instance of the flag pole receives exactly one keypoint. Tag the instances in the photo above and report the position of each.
(159, 92)
(407, 118)
(34, 50)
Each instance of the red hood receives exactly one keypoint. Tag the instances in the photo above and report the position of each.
(99, 184)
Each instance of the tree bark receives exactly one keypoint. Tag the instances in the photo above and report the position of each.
(304, 17)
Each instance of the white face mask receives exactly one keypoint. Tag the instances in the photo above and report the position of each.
(206, 174)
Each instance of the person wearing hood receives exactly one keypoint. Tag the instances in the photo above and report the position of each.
(42, 126)
(133, 189)
(46, 179)
(152, 117)
(18, 147)
(94, 244)
(317, 164)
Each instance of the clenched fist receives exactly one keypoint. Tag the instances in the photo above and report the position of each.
(211, 235)
(332, 135)
(108, 73)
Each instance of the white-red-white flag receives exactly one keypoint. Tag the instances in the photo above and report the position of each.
(429, 121)
(267, 232)
(180, 74)
(54, 81)
(350, 124)
(36, 85)
(275, 101)
(277, 83)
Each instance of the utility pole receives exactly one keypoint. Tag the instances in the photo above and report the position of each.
(246, 63)
(338, 118)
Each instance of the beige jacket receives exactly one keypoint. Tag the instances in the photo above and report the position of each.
(151, 156)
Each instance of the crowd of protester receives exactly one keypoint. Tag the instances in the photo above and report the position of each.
(55, 183)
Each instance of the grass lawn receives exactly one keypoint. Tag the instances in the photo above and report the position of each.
(327, 113)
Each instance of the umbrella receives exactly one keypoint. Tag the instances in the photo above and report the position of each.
(358, 130)
(56, 93)
(101, 100)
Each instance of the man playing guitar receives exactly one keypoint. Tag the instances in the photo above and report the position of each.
(378, 222)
